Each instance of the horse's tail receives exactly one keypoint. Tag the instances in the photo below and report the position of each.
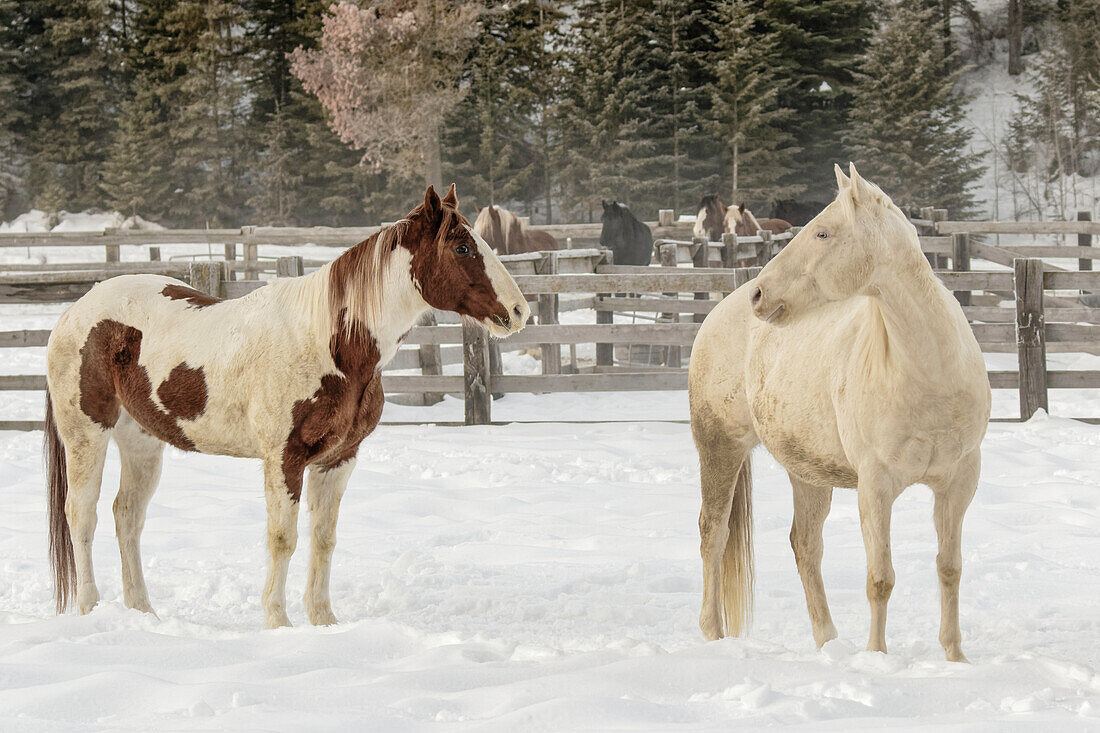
(57, 487)
(737, 572)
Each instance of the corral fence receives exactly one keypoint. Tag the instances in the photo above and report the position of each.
(1032, 309)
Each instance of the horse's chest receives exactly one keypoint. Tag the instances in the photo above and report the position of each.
(794, 415)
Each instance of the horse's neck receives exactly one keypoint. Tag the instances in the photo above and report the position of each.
(400, 305)
(912, 323)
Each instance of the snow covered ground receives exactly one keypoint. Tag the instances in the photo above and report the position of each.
(546, 577)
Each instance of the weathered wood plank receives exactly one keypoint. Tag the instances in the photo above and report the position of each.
(1071, 280)
(1086, 254)
(475, 374)
(23, 338)
(23, 382)
(404, 383)
(618, 382)
(1018, 227)
(44, 293)
(976, 280)
(699, 307)
(172, 269)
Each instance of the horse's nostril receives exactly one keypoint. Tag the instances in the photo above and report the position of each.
(517, 312)
(756, 296)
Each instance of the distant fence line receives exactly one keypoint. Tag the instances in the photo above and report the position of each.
(567, 280)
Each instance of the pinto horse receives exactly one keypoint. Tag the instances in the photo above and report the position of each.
(710, 221)
(290, 374)
(856, 368)
(507, 235)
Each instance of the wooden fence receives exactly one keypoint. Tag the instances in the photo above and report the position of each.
(678, 299)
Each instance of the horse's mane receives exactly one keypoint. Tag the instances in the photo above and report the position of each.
(511, 228)
(355, 278)
(738, 215)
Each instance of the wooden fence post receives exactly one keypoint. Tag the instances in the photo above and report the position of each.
(937, 216)
(251, 261)
(960, 261)
(742, 275)
(664, 217)
(475, 374)
(206, 277)
(289, 267)
(113, 254)
(605, 353)
(154, 254)
(230, 256)
(729, 250)
(431, 364)
(1084, 240)
(764, 249)
(700, 258)
(667, 254)
(1030, 335)
(548, 314)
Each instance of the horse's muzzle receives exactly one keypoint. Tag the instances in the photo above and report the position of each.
(764, 309)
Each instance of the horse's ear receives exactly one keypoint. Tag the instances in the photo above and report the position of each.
(861, 189)
(451, 199)
(604, 204)
(477, 209)
(432, 205)
(741, 207)
(842, 181)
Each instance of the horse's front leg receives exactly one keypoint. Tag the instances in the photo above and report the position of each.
(326, 488)
(877, 491)
(952, 499)
(811, 506)
(282, 538)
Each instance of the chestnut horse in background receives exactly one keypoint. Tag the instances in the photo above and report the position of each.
(507, 235)
(741, 222)
(290, 374)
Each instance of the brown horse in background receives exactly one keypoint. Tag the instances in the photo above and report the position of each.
(506, 234)
(741, 222)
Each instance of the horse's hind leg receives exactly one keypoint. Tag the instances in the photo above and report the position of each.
(326, 488)
(85, 452)
(811, 506)
(951, 502)
(724, 525)
(141, 461)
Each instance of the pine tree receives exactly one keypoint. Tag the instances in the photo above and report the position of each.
(598, 137)
(499, 139)
(747, 119)
(821, 42)
(303, 173)
(908, 130)
(12, 89)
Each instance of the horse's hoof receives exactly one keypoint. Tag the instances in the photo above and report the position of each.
(954, 654)
(826, 635)
(323, 617)
(86, 599)
(277, 619)
(711, 631)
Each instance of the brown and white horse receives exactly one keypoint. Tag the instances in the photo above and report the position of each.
(507, 235)
(289, 374)
(741, 222)
(710, 219)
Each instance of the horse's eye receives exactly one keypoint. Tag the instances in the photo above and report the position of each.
(462, 249)
(822, 234)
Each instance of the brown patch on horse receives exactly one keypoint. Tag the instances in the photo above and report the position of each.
(183, 394)
(111, 378)
(775, 226)
(328, 427)
(538, 240)
(196, 298)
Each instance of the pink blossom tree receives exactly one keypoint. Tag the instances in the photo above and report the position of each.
(388, 74)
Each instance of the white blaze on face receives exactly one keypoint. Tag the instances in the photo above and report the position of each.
(507, 291)
(701, 217)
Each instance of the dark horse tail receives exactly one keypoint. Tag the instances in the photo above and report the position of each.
(57, 487)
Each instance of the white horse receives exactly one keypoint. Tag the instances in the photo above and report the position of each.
(289, 374)
(856, 368)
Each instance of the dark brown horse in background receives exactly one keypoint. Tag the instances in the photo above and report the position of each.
(710, 218)
(741, 222)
